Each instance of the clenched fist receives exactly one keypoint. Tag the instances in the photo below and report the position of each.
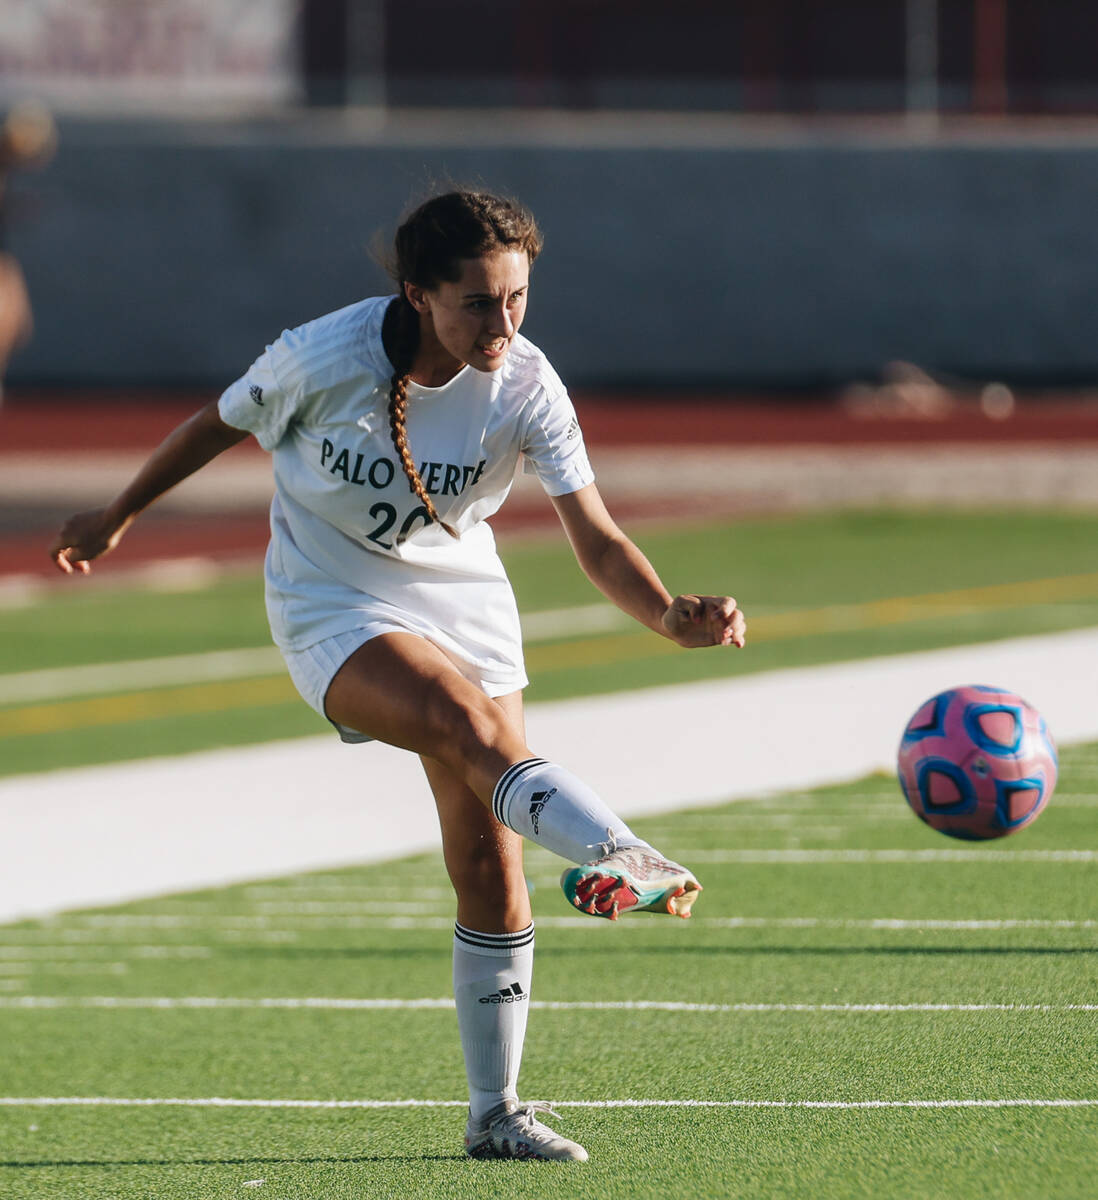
(705, 621)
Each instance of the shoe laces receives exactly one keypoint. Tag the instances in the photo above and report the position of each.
(525, 1117)
(610, 846)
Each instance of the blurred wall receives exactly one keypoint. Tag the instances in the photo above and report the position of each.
(172, 253)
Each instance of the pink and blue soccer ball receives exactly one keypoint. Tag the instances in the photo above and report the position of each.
(977, 763)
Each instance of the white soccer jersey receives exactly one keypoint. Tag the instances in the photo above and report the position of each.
(349, 538)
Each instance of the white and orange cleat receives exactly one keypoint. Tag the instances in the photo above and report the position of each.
(634, 879)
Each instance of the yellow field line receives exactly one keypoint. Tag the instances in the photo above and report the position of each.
(146, 705)
(599, 651)
(932, 606)
(834, 618)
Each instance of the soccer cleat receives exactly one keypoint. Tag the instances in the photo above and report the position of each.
(635, 878)
(512, 1130)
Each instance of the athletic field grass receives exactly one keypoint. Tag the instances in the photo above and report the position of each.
(815, 589)
(860, 1007)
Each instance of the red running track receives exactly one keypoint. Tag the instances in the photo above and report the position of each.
(98, 422)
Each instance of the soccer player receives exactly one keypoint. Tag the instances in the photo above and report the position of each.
(28, 138)
(396, 426)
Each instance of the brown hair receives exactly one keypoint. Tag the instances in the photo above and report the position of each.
(428, 250)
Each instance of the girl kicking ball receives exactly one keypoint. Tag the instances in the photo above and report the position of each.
(396, 426)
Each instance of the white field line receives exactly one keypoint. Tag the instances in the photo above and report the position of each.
(387, 1003)
(58, 683)
(233, 1102)
(787, 821)
(367, 910)
(93, 967)
(20, 969)
(887, 856)
(585, 618)
(347, 908)
(159, 575)
(184, 906)
(350, 891)
(26, 952)
(316, 923)
(900, 923)
(877, 795)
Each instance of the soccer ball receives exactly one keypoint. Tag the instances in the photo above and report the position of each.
(977, 762)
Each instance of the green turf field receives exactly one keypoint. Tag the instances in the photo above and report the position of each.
(834, 1023)
(859, 1008)
(815, 589)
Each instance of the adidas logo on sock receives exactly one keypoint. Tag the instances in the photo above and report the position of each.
(508, 995)
(537, 802)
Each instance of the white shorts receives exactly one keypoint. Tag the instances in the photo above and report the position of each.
(313, 669)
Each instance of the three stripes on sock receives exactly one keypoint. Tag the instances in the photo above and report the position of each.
(554, 808)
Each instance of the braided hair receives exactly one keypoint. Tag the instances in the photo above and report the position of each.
(429, 247)
(401, 324)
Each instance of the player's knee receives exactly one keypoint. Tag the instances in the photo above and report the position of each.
(467, 729)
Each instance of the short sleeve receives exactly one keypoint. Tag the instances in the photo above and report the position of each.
(554, 447)
(258, 402)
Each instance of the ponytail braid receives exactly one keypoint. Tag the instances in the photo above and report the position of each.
(403, 352)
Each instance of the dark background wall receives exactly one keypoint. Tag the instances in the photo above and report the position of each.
(171, 253)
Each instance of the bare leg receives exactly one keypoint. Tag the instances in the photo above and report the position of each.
(403, 690)
(483, 857)
(493, 949)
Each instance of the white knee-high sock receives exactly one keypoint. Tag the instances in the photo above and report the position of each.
(550, 806)
(492, 976)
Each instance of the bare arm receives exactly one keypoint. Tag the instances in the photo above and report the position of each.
(622, 573)
(88, 535)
